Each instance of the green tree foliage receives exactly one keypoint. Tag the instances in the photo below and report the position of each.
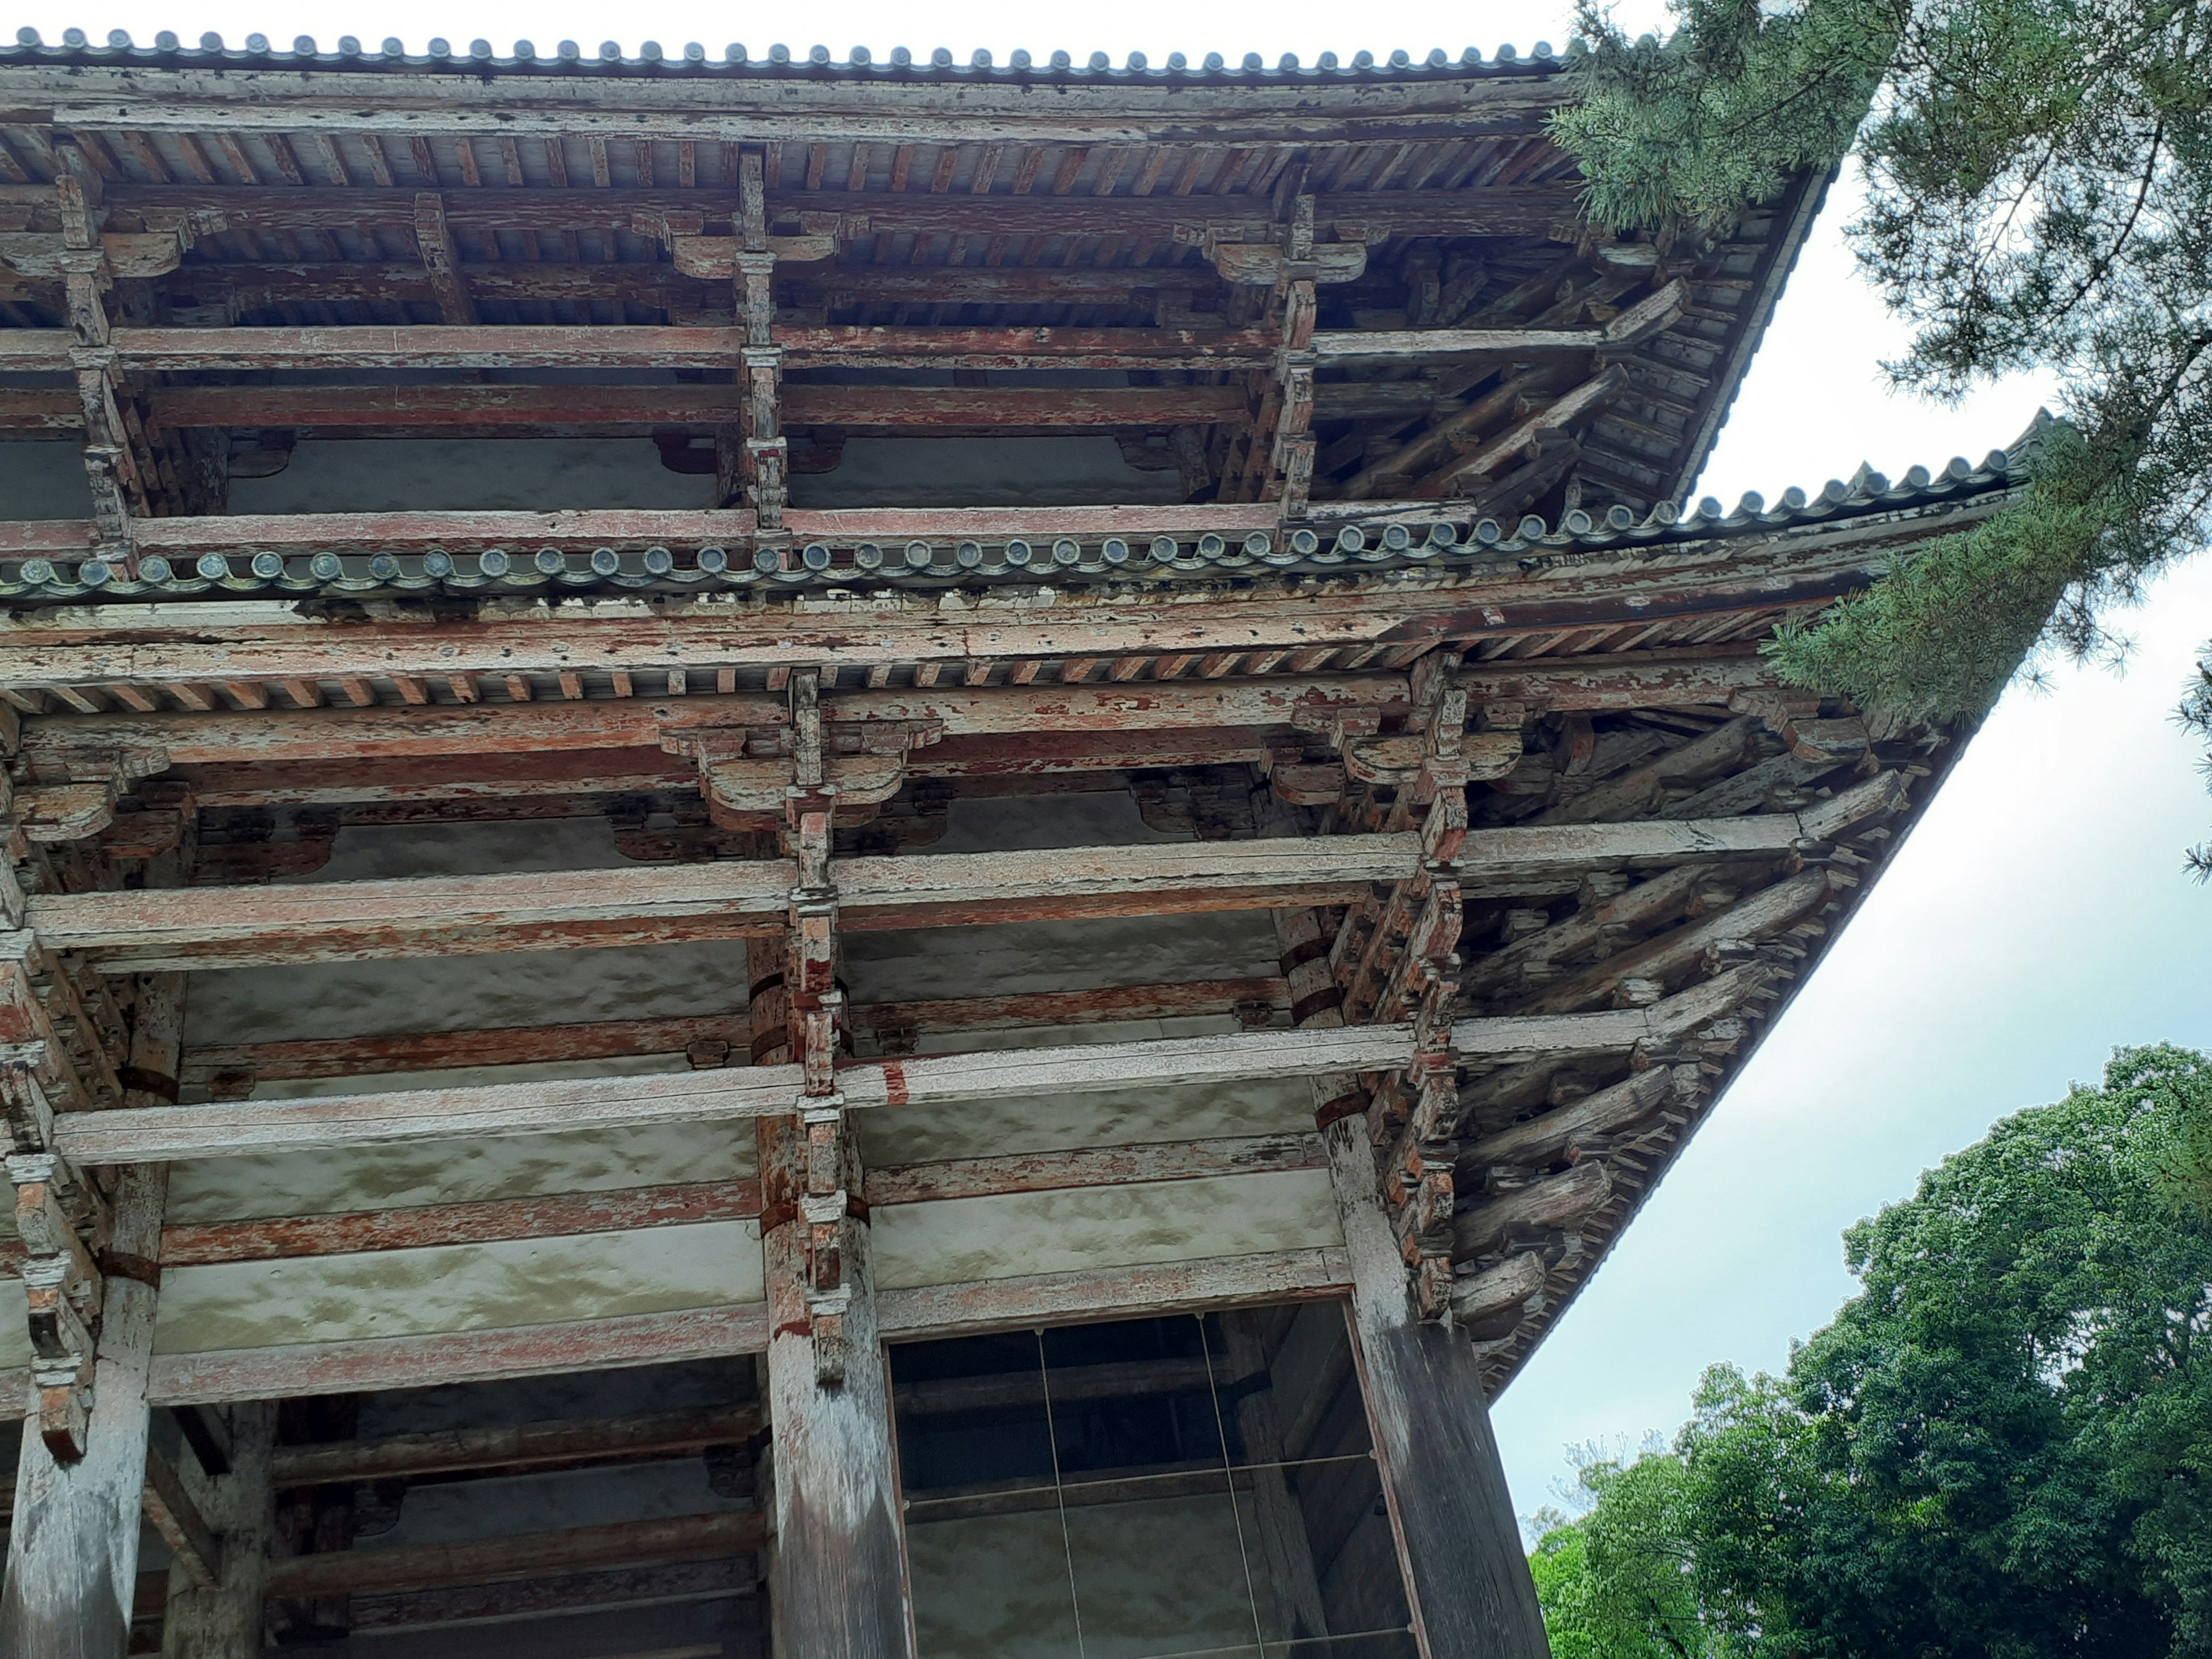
(2001, 1449)
(2038, 177)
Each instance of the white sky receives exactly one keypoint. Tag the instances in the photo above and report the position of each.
(2038, 916)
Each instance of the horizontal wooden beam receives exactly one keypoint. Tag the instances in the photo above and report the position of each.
(555, 1215)
(437, 1359)
(534, 1045)
(1370, 217)
(1093, 1166)
(528, 1555)
(796, 104)
(514, 1446)
(514, 1600)
(294, 349)
(220, 926)
(454, 1357)
(888, 409)
(240, 1128)
(429, 346)
(329, 734)
(1082, 1298)
(237, 1128)
(153, 930)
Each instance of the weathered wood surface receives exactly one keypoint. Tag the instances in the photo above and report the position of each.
(234, 1128)
(553, 1216)
(415, 733)
(1082, 1298)
(1556, 1202)
(149, 931)
(888, 409)
(512, 1601)
(195, 1547)
(73, 1539)
(157, 931)
(1607, 1112)
(837, 1583)
(935, 1310)
(528, 1555)
(514, 1446)
(1373, 216)
(449, 1356)
(222, 1620)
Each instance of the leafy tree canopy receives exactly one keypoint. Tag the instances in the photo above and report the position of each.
(2038, 180)
(2001, 1449)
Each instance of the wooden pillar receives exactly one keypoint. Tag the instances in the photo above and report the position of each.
(837, 1583)
(73, 1547)
(837, 1577)
(222, 1620)
(1466, 1576)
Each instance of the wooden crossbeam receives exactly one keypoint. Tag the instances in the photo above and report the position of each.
(1379, 216)
(892, 409)
(514, 1446)
(155, 931)
(1096, 712)
(205, 927)
(294, 348)
(231, 1130)
(528, 1555)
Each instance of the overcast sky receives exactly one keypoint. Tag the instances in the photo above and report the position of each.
(2038, 916)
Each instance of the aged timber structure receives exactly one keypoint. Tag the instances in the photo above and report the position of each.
(859, 859)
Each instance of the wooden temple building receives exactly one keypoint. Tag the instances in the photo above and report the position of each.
(858, 857)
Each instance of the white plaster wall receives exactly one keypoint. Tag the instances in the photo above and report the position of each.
(1011, 1235)
(991, 1128)
(469, 1287)
(456, 1172)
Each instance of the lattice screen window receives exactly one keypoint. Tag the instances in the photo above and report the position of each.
(1149, 1489)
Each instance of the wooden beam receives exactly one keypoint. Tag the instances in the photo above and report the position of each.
(193, 1544)
(439, 260)
(605, 1590)
(411, 732)
(1373, 217)
(1085, 1296)
(223, 1619)
(355, 921)
(442, 1357)
(212, 926)
(497, 407)
(73, 1539)
(938, 1310)
(528, 1555)
(137, 1135)
(632, 346)
(514, 1446)
(417, 1227)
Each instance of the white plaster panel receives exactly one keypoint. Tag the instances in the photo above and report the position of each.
(377, 852)
(15, 1328)
(1128, 1117)
(1007, 958)
(461, 993)
(1013, 1235)
(457, 1171)
(1012, 824)
(470, 1287)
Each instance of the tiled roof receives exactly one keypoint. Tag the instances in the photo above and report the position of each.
(651, 58)
(1350, 539)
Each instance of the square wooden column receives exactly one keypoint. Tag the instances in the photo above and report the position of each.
(837, 1577)
(1459, 1544)
(73, 1545)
